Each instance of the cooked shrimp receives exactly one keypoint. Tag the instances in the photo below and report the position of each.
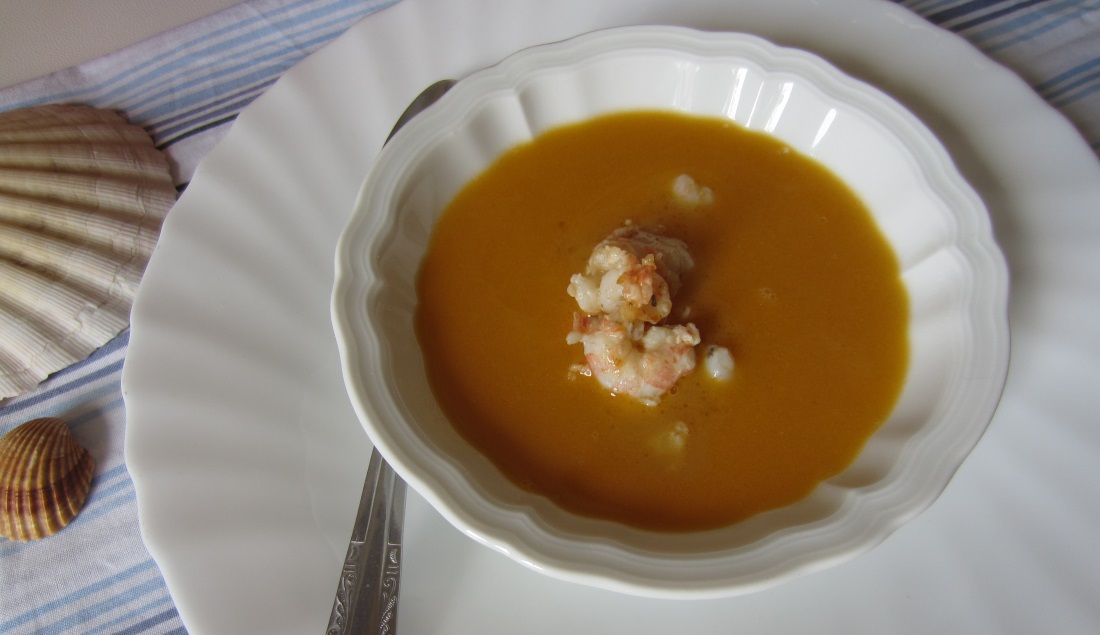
(632, 275)
(639, 360)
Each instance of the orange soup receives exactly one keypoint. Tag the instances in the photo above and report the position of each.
(791, 275)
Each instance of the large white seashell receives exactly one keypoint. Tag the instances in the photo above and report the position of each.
(82, 197)
(45, 476)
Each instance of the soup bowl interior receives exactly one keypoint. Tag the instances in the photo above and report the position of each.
(952, 270)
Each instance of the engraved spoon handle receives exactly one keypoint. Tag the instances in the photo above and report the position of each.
(366, 597)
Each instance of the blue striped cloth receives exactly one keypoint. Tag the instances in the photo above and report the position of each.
(186, 87)
(1053, 44)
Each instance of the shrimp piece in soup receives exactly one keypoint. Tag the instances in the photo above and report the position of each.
(632, 275)
(638, 360)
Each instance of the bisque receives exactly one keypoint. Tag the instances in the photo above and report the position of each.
(791, 275)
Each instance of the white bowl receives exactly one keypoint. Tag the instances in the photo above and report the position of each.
(955, 275)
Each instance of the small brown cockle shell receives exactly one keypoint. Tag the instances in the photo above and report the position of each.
(45, 476)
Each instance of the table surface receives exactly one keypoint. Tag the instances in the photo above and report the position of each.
(39, 37)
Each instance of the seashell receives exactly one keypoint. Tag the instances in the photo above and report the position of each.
(45, 476)
(83, 194)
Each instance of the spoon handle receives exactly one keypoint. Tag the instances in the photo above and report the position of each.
(366, 598)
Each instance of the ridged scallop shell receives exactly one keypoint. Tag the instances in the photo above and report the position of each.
(45, 475)
(82, 197)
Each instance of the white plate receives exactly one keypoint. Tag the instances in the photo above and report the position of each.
(248, 459)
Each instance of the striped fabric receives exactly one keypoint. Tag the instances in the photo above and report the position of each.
(1053, 44)
(186, 87)
(103, 597)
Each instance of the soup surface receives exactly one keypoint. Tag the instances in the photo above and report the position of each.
(791, 275)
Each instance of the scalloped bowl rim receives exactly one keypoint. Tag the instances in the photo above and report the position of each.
(949, 398)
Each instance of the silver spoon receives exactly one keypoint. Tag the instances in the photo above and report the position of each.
(366, 597)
